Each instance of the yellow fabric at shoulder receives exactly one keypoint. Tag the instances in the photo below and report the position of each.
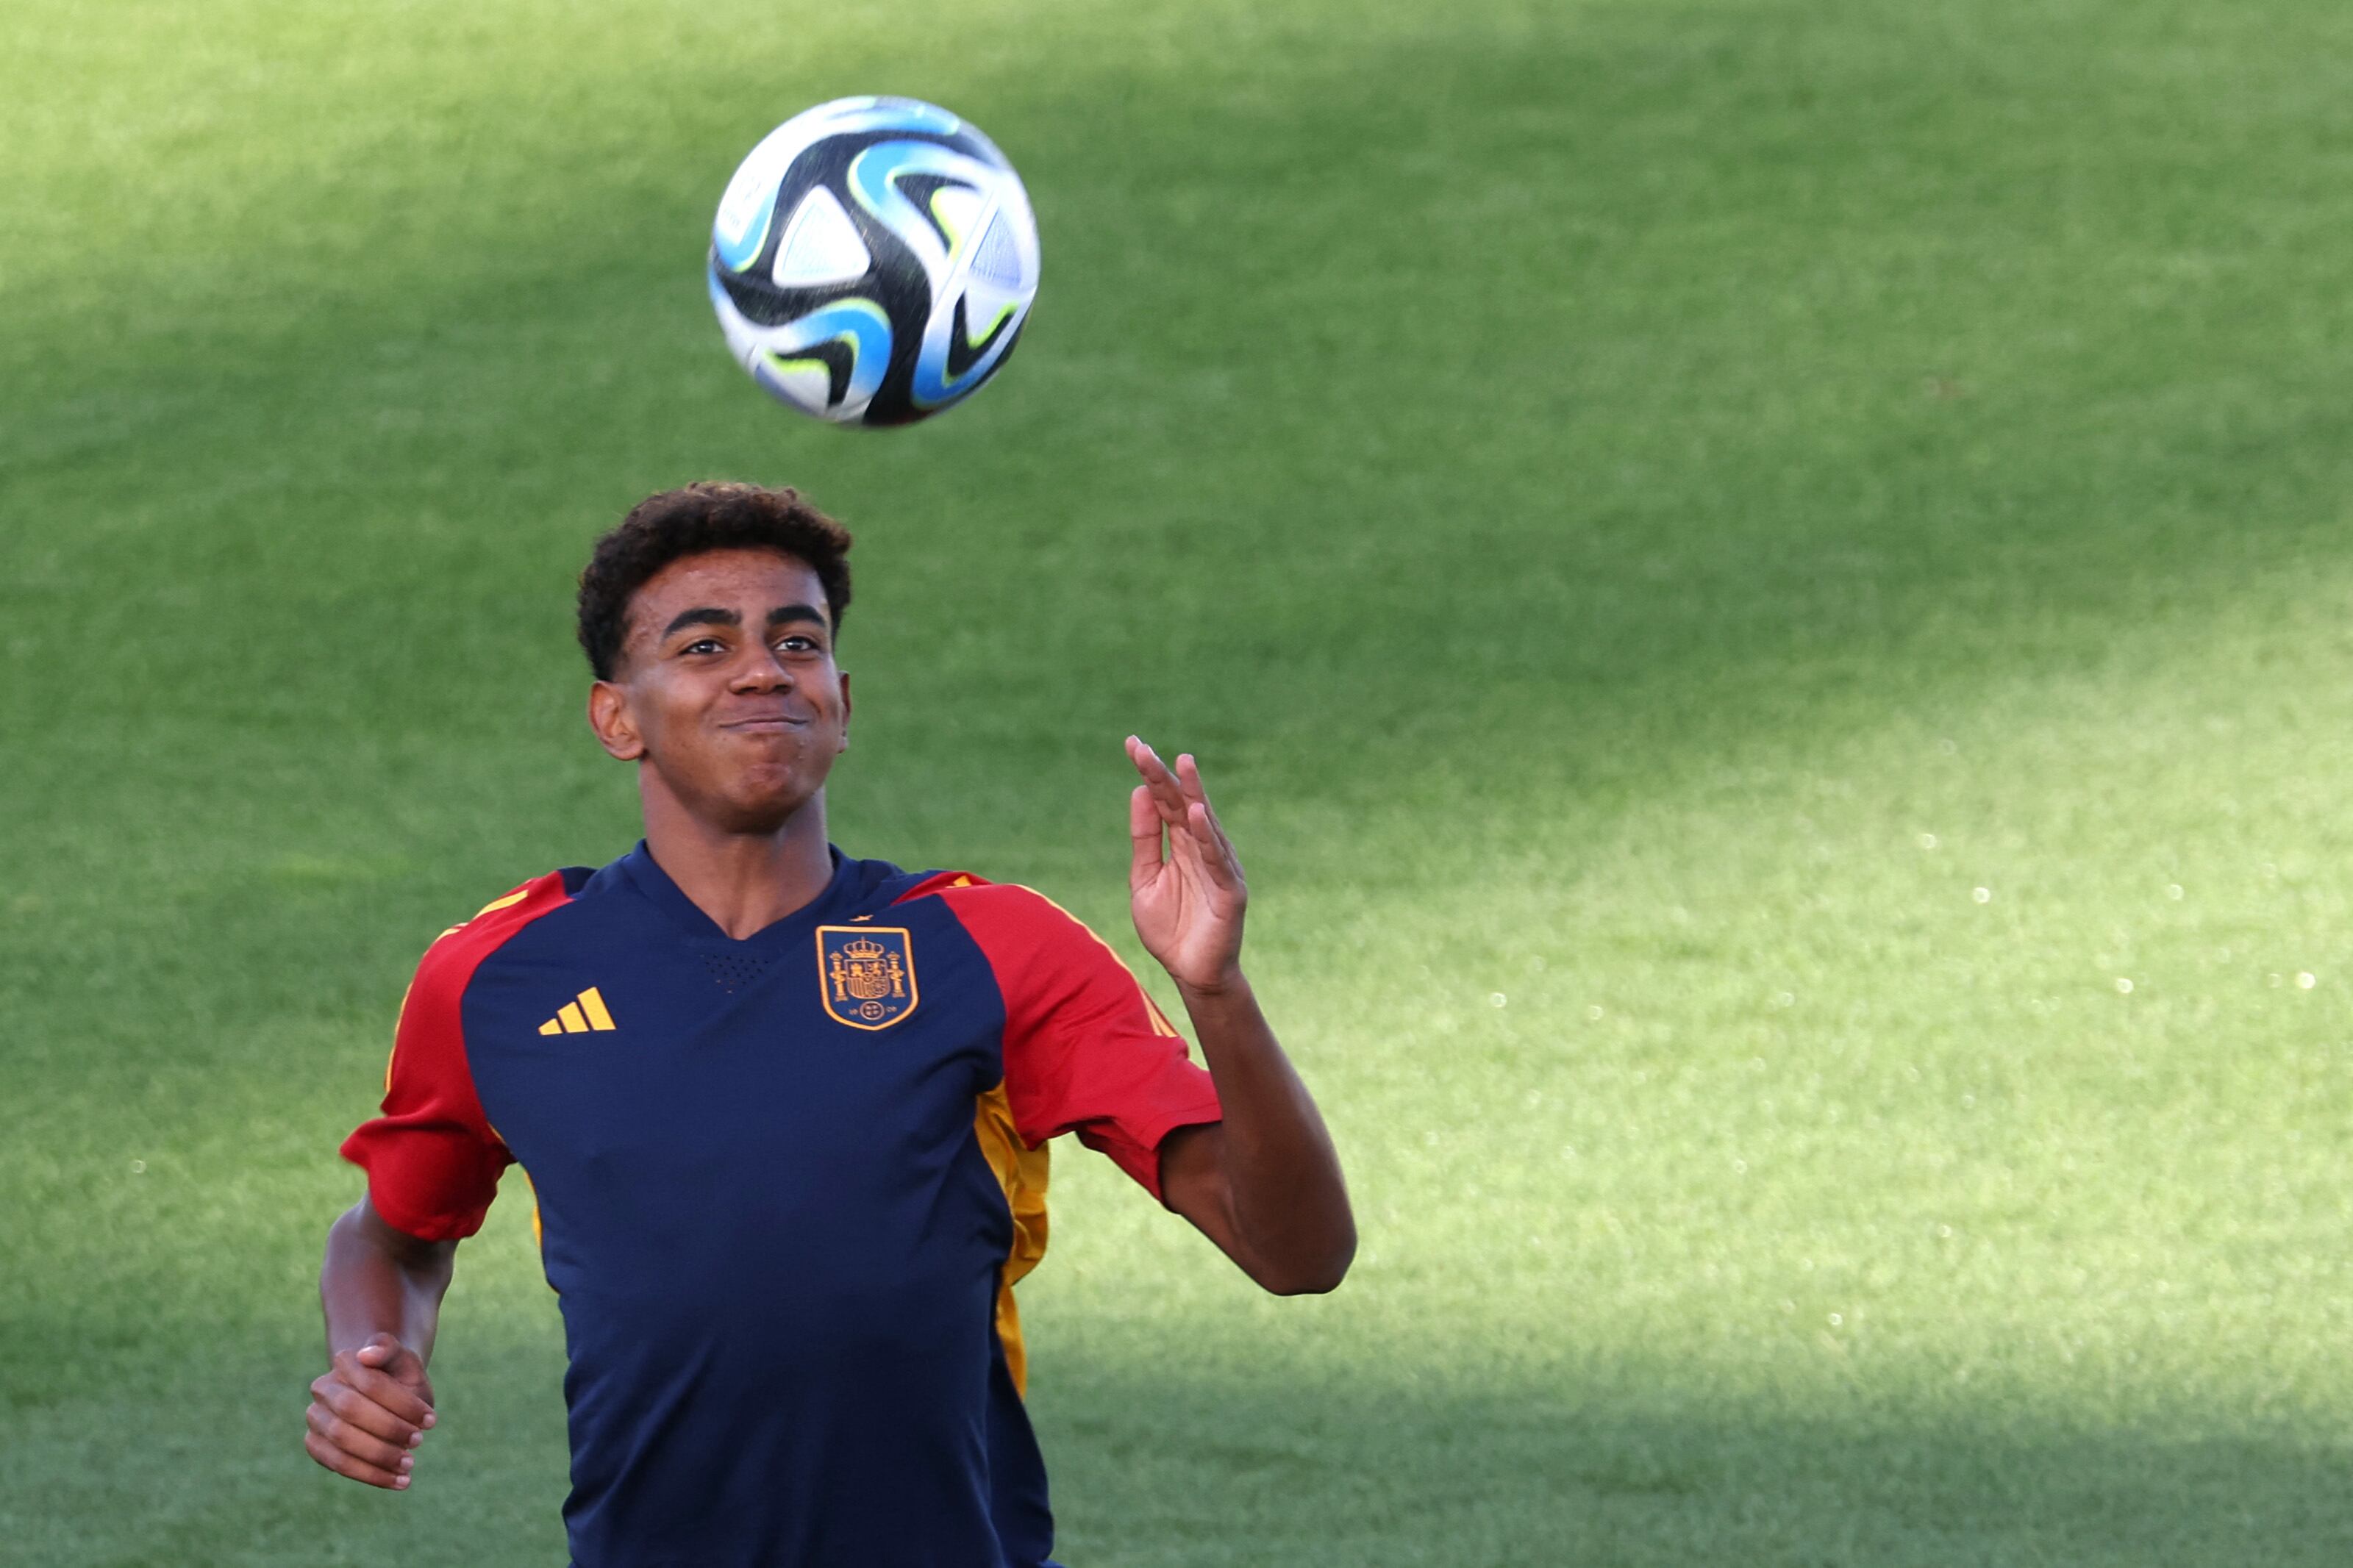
(505, 901)
(397, 1012)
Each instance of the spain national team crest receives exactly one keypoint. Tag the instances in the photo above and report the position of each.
(866, 973)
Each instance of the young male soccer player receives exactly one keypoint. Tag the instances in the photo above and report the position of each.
(785, 1112)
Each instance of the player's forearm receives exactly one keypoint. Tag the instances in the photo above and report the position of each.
(374, 1280)
(1288, 1203)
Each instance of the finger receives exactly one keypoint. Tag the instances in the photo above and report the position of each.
(1188, 777)
(386, 1365)
(1217, 856)
(343, 1464)
(384, 1352)
(1167, 793)
(1147, 761)
(358, 1443)
(348, 1404)
(404, 1400)
(374, 1401)
(408, 1371)
(1233, 856)
(1208, 872)
(365, 1414)
(1197, 802)
(1144, 830)
(1200, 817)
(399, 1362)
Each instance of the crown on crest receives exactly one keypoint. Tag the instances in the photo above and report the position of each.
(864, 950)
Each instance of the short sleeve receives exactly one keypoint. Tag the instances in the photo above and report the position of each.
(1086, 1050)
(432, 1158)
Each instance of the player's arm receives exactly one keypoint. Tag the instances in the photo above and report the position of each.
(432, 1160)
(1264, 1182)
(381, 1290)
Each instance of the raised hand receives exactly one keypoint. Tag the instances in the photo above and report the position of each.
(1184, 884)
(369, 1411)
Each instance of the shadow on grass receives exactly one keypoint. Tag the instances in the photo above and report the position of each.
(1157, 1472)
(198, 1462)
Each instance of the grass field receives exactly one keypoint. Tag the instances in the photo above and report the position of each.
(1764, 584)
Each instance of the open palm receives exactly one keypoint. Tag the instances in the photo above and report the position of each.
(1184, 884)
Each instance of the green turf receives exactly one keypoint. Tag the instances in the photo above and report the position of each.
(1742, 568)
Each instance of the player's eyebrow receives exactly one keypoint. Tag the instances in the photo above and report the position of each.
(784, 613)
(702, 615)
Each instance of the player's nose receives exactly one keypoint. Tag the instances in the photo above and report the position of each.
(760, 670)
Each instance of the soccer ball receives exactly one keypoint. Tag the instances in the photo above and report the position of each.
(873, 261)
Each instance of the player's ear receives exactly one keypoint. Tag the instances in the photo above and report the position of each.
(844, 677)
(609, 716)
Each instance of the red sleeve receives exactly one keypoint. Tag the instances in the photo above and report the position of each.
(1085, 1049)
(432, 1159)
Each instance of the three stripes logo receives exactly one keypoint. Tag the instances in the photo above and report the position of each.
(582, 1015)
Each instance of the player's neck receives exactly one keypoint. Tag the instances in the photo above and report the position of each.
(745, 881)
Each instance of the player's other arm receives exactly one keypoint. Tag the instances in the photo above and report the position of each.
(433, 1162)
(1264, 1182)
(380, 1291)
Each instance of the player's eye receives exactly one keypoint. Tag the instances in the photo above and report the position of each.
(702, 644)
(800, 643)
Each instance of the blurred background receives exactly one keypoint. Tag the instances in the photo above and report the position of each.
(1762, 584)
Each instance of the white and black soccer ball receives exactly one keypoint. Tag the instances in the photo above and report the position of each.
(873, 261)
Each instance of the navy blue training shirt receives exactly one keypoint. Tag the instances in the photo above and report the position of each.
(784, 1186)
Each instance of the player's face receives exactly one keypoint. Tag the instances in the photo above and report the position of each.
(727, 688)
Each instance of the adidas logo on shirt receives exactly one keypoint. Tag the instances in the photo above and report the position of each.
(579, 1016)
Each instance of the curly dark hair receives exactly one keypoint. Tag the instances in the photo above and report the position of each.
(709, 515)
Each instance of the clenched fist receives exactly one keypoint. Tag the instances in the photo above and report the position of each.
(370, 1411)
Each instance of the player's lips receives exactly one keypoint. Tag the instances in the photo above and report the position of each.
(766, 723)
